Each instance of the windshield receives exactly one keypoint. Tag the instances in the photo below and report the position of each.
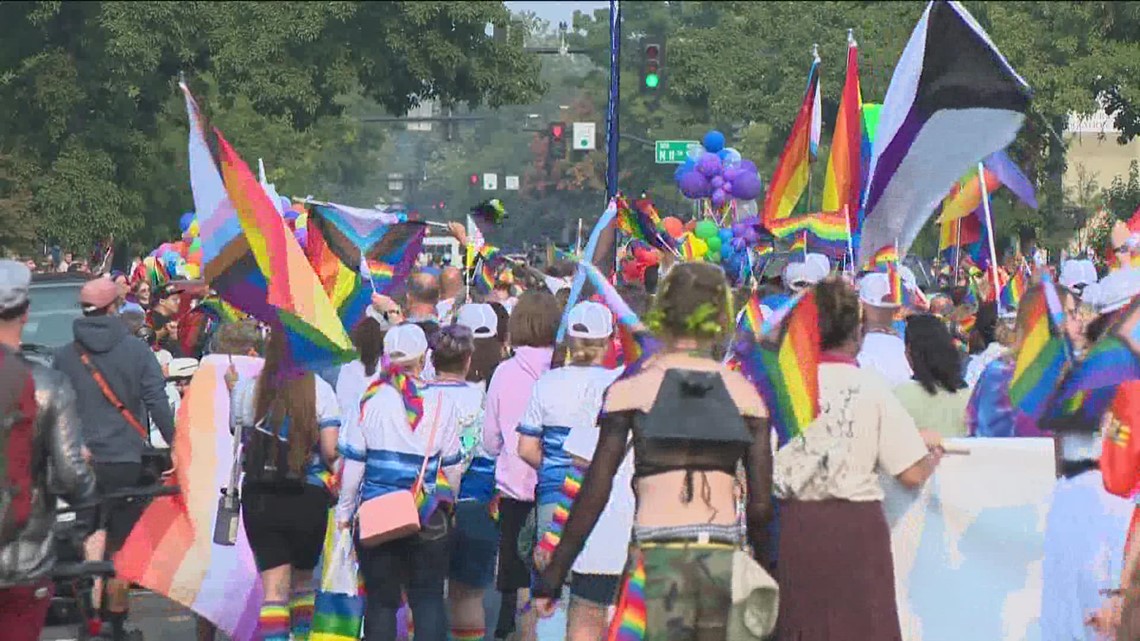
(53, 308)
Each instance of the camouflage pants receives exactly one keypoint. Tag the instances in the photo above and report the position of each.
(687, 591)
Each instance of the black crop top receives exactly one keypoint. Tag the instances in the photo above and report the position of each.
(655, 456)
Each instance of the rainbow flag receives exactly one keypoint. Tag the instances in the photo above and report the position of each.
(630, 619)
(428, 500)
(784, 365)
(894, 278)
(252, 259)
(343, 285)
(1043, 356)
(641, 220)
(966, 196)
(885, 255)
(170, 551)
(843, 183)
(800, 243)
(316, 336)
(791, 175)
(571, 486)
(1014, 290)
(751, 318)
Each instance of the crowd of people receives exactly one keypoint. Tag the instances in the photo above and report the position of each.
(487, 406)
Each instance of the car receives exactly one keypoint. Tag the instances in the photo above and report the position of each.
(54, 306)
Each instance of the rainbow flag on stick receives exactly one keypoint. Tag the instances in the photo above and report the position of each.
(571, 486)
(1015, 289)
(791, 175)
(1043, 356)
(885, 255)
(170, 551)
(843, 183)
(784, 365)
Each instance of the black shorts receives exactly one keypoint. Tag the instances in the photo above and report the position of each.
(285, 527)
(513, 571)
(599, 589)
(117, 517)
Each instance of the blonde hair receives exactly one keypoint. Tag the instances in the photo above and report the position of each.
(585, 351)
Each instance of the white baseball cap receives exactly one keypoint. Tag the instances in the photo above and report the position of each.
(556, 285)
(1117, 290)
(182, 368)
(590, 320)
(1077, 274)
(405, 342)
(480, 318)
(873, 288)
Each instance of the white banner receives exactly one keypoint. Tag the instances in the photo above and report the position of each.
(968, 547)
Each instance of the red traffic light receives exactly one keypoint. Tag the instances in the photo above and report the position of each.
(441, 204)
(474, 179)
(653, 52)
(557, 130)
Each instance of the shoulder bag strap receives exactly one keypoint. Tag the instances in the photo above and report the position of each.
(430, 443)
(110, 395)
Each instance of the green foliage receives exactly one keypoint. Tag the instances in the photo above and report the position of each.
(96, 127)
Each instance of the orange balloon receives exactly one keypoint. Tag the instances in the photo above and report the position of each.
(673, 226)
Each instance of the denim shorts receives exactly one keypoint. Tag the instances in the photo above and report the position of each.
(475, 545)
(599, 589)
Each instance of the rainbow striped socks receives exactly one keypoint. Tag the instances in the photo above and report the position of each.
(273, 622)
(301, 614)
(467, 634)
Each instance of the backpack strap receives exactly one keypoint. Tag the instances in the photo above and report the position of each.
(110, 395)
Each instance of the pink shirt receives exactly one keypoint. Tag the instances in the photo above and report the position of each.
(507, 399)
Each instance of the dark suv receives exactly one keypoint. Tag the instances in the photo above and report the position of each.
(54, 305)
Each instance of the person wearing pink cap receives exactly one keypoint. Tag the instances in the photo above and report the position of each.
(118, 384)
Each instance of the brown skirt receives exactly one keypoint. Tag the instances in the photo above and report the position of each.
(836, 573)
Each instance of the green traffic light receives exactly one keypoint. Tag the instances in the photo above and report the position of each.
(651, 80)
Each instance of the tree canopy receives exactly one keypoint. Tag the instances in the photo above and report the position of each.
(95, 141)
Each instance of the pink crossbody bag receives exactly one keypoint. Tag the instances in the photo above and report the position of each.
(394, 515)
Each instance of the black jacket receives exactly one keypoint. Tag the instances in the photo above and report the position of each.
(135, 376)
(30, 558)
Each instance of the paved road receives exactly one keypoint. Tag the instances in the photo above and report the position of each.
(162, 620)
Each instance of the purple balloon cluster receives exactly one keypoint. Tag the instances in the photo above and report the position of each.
(718, 173)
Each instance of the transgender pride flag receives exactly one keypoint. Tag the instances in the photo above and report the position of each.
(171, 550)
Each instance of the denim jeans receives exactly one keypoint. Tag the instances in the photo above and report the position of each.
(416, 565)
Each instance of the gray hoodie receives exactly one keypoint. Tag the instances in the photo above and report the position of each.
(133, 373)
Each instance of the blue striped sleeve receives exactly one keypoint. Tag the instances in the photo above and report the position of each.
(328, 422)
(527, 430)
(351, 453)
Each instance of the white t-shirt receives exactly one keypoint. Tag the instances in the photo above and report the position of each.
(443, 308)
(606, 547)
(243, 403)
(350, 386)
(885, 354)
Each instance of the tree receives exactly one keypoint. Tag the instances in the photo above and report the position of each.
(94, 114)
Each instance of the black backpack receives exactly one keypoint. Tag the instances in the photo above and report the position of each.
(266, 457)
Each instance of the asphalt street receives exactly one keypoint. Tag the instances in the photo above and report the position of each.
(162, 620)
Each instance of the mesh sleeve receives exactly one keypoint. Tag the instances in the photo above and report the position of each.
(758, 469)
(595, 492)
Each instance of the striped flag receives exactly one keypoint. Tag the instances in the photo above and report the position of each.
(843, 183)
(1044, 352)
(949, 80)
(784, 365)
(791, 175)
(170, 551)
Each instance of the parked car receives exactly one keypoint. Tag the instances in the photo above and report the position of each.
(54, 305)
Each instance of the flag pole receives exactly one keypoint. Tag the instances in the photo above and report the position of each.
(811, 157)
(990, 235)
(957, 250)
(850, 247)
(578, 242)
